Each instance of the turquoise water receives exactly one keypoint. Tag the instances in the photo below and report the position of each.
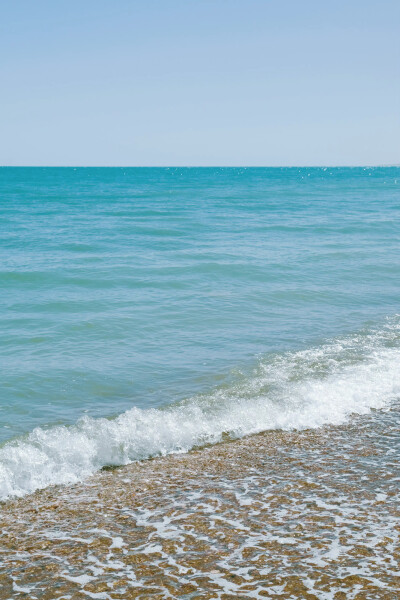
(150, 288)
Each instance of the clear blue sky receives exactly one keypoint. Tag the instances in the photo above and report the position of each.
(199, 82)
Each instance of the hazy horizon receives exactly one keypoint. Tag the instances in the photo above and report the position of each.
(200, 84)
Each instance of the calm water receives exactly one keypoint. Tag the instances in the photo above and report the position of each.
(213, 294)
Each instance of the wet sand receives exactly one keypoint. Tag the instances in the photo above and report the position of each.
(306, 515)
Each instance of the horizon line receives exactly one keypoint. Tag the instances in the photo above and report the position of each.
(338, 166)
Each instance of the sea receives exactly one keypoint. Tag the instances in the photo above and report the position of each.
(196, 363)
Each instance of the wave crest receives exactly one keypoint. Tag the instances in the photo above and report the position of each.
(293, 390)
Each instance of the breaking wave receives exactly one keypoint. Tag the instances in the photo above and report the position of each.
(292, 390)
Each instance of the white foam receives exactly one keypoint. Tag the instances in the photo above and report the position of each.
(295, 390)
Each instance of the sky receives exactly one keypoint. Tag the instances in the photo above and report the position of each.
(199, 82)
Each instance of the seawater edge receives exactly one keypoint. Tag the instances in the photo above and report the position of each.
(306, 515)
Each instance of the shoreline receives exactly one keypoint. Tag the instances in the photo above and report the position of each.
(310, 515)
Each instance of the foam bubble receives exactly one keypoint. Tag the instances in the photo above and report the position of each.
(294, 390)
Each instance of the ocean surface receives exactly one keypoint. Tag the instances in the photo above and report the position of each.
(147, 311)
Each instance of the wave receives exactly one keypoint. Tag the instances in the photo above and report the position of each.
(292, 390)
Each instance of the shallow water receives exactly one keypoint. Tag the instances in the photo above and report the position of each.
(188, 304)
(303, 515)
